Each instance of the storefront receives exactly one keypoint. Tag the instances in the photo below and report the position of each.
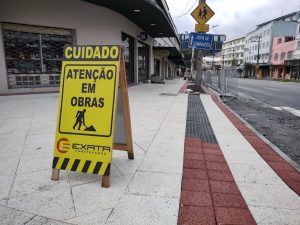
(32, 40)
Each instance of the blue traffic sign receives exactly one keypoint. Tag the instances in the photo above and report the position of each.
(201, 41)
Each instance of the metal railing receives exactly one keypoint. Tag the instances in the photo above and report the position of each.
(224, 81)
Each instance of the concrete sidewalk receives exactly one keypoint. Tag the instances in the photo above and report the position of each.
(145, 190)
(174, 178)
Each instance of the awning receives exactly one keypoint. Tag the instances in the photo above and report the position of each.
(147, 14)
(292, 62)
(174, 54)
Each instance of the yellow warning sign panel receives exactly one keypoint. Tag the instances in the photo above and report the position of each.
(202, 13)
(202, 27)
(87, 106)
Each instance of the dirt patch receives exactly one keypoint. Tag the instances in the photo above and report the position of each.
(278, 126)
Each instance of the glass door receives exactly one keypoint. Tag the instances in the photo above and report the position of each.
(143, 61)
(128, 45)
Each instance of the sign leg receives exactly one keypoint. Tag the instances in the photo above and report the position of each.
(105, 181)
(126, 109)
(55, 174)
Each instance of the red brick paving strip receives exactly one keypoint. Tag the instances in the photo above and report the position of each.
(209, 195)
(280, 166)
(182, 89)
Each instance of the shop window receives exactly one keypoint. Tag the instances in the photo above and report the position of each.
(279, 40)
(33, 54)
(128, 46)
(282, 55)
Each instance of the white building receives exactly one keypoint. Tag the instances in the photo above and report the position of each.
(233, 52)
(33, 34)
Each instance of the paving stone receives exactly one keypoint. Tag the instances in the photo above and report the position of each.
(194, 164)
(161, 164)
(278, 196)
(195, 174)
(193, 149)
(97, 218)
(47, 203)
(146, 210)
(195, 185)
(30, 183)
(281, 166)
(220, 166)
(91, 197)
(193, 215)
(234, 216)
(212, 151)
(224, 187)
(193, 198)
(14, 217)
(270, 216)
(214, 158)
(219, 175)
(155, 184)
(192, 155)
(228, 200)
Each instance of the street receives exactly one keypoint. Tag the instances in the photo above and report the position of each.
(276, 93)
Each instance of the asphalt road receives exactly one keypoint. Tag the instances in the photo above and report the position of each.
(274, 92)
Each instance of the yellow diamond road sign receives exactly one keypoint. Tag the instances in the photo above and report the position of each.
(202, 13)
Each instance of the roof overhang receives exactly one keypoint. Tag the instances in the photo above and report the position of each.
(151, 17)
(174, 54)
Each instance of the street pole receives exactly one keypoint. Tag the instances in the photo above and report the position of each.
(199, 63)
(257, 58)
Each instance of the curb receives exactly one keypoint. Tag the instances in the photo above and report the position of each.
(281, 164)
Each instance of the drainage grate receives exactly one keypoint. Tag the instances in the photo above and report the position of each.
(197, 124)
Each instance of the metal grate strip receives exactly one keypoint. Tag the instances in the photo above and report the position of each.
(197, 124)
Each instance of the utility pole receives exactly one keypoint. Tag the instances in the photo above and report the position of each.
(199, 58)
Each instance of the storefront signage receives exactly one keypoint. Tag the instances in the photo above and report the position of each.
(143, 36)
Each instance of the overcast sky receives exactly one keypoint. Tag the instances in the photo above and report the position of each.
(234, 17)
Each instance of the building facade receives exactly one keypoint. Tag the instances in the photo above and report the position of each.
(233, 52)
(32, 38)
(258, 43)
(294, 63)
(282, 49)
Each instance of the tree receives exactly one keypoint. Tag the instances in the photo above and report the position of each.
(249, 68)
(187, 55)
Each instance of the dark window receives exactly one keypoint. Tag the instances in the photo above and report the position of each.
(276, 57)
(128, 45)
(33, 54)
(143, 61)
(156, 67)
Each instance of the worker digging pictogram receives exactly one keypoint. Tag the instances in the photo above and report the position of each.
(80, 120)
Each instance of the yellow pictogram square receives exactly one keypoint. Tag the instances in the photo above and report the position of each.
(202, 13)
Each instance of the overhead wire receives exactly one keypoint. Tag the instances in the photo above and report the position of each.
(175, 17)
(187, 3)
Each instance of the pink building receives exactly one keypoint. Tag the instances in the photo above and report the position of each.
(282, 49)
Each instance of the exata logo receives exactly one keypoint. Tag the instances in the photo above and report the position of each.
(63, 145)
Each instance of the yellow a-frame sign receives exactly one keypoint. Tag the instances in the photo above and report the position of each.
(91, 78)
